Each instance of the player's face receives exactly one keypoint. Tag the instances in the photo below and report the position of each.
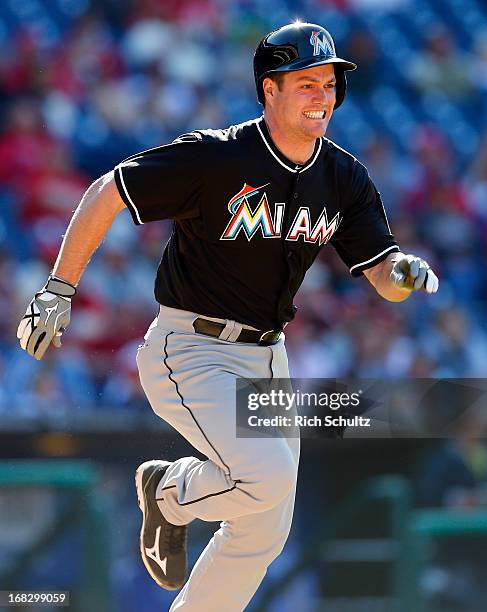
(303, 105)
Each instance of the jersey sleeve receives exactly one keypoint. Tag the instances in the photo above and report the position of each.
(364, 238)
(162, 183)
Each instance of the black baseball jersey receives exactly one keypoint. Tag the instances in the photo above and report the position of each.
(248, 222)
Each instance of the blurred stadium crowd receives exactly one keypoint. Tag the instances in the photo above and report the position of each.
(85, 83)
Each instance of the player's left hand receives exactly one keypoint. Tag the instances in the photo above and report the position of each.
(413, 273)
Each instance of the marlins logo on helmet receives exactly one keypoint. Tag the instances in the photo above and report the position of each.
(321, 43)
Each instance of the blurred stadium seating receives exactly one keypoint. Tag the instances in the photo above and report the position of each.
(84, 84)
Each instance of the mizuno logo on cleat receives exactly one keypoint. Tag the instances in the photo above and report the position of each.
(153, 553)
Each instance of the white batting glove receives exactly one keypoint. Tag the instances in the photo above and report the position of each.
(46, 317)
(414, 273)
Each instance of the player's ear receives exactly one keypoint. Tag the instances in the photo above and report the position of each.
(269, 86)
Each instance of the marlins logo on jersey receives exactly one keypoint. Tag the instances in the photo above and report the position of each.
(243, 219)
(249, 221)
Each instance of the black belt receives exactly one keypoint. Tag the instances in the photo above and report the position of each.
(255, 336)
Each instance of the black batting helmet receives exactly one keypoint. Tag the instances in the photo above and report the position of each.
(296, 46)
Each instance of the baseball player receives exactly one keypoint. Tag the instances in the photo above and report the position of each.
(252, 206)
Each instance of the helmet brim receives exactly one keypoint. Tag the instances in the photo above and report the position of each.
(307, 62)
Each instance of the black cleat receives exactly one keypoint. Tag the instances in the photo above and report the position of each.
(162, 544)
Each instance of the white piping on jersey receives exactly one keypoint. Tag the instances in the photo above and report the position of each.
(385, 216)
(119, 168)
(314, 158)
(272, 152)
(372, 258)
(281, 162)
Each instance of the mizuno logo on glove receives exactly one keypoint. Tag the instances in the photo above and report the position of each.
(46, 317)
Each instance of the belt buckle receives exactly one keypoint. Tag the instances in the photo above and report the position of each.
(269, 337)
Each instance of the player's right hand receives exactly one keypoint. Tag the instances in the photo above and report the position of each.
(46, 317)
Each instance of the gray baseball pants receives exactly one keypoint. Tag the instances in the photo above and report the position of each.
(248, 484)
